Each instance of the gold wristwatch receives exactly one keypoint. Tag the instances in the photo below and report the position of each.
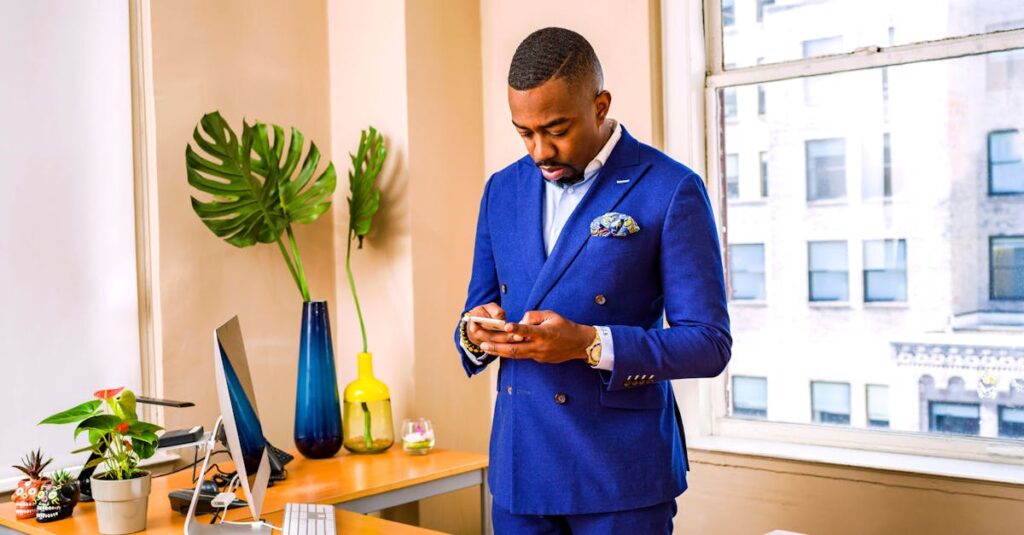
(594, 349)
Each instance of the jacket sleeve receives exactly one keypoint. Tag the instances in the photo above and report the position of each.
(697, 342)
(483, 284)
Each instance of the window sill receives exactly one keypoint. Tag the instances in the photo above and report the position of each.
(760, 201)
(883, 305)
(829, 304)
(749, 303)
(855, 458)
(816, 203)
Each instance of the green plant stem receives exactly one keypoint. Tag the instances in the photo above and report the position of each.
(367, 427)
(352, 284)
(298, 264)
(291, 267)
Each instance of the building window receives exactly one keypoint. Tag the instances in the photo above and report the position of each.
(877, 405)
(728, 13)
(1005, 166)
(821, 90)
(830, 402)
(762, 104)
(957, 418)
(763, 159)
(749, 396)
(1011, 422)
(885, 270)
(886, 166)
(760, 8)
(828, 277)
(746, 271)
(1006, 257)
(826, 169)
(732, 175)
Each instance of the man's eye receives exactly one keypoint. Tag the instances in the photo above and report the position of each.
(560, 133)
(524, 134)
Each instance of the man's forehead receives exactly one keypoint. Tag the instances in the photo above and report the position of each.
(542, 104)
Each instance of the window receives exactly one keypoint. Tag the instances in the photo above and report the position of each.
(826, 169)
(885, 270)
(828, 277)
(834, 120)
(1005, 167)
(732, 175)
(957, 418)
(763, 157)
(890, 23)
(749, 396)
(760, 8)
(830, 402)
(1007, 272)
(762, 104)
(1011, 422)
(877, 405)
(746, 271)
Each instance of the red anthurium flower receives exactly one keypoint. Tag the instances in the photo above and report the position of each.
(121, 428)
(109, 393)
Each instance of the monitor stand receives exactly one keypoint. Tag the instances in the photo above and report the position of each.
(194, 527)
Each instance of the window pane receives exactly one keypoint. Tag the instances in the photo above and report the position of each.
(749, 396)
(878, 405)
(1011, 422)
(778, 31)
(764, 173)
(1008, 268)
(826, 169)
(940, 245)
(732, 175)
(958, 418)
(1005, 165)
(746, 271)
(830, 402)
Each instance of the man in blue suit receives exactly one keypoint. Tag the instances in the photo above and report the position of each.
(591, 242)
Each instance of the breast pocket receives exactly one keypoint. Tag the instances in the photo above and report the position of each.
(648, 397)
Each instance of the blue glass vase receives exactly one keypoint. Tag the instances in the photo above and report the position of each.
(317, 406)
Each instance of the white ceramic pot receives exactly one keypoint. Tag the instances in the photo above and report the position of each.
(121, 505)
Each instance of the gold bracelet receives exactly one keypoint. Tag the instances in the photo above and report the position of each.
(464, 338)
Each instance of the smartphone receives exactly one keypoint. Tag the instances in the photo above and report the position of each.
(490, 324)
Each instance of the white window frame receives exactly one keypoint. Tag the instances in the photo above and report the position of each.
(693, 74)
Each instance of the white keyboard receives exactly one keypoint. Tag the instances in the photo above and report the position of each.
(308, 519)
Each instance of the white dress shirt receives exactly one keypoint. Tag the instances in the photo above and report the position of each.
(559, 203)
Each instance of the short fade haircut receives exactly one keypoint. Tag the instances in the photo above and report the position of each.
(553, 53)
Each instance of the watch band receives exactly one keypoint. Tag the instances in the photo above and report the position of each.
(594, 349)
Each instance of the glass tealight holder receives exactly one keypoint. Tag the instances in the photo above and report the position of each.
(417, 436)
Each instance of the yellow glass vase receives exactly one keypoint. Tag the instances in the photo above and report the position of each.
(368, 427)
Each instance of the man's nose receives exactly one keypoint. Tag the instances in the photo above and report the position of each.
(543, 151)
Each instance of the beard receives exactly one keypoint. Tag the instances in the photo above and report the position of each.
(570, 173)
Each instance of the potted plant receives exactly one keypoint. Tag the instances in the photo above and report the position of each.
(57, 497)
(367, 399)
(254, 189)
(24, 498)
(121, 441)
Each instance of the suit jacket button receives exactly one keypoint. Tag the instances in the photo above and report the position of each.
(599, 299)
(560, 398)
(504, 288)
(508, 389)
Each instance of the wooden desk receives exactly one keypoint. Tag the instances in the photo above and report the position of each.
(352, 483)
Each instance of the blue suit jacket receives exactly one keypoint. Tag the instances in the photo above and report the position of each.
(614, 442)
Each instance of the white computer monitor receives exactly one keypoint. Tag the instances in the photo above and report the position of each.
(245, 441)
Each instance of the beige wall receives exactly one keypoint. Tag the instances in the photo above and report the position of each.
(267, 63)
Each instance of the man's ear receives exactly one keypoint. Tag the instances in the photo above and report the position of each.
(602, 103)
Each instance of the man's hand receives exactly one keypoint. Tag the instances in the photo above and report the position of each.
(478, 335)
(543, 336)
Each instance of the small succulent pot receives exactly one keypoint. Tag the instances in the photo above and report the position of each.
(121, 505)
(56, 502)
(24, 497)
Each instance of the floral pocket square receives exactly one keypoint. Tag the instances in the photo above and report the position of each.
(614, 224)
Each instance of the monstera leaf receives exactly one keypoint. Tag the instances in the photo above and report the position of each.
(365, 197)
(256, 188)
